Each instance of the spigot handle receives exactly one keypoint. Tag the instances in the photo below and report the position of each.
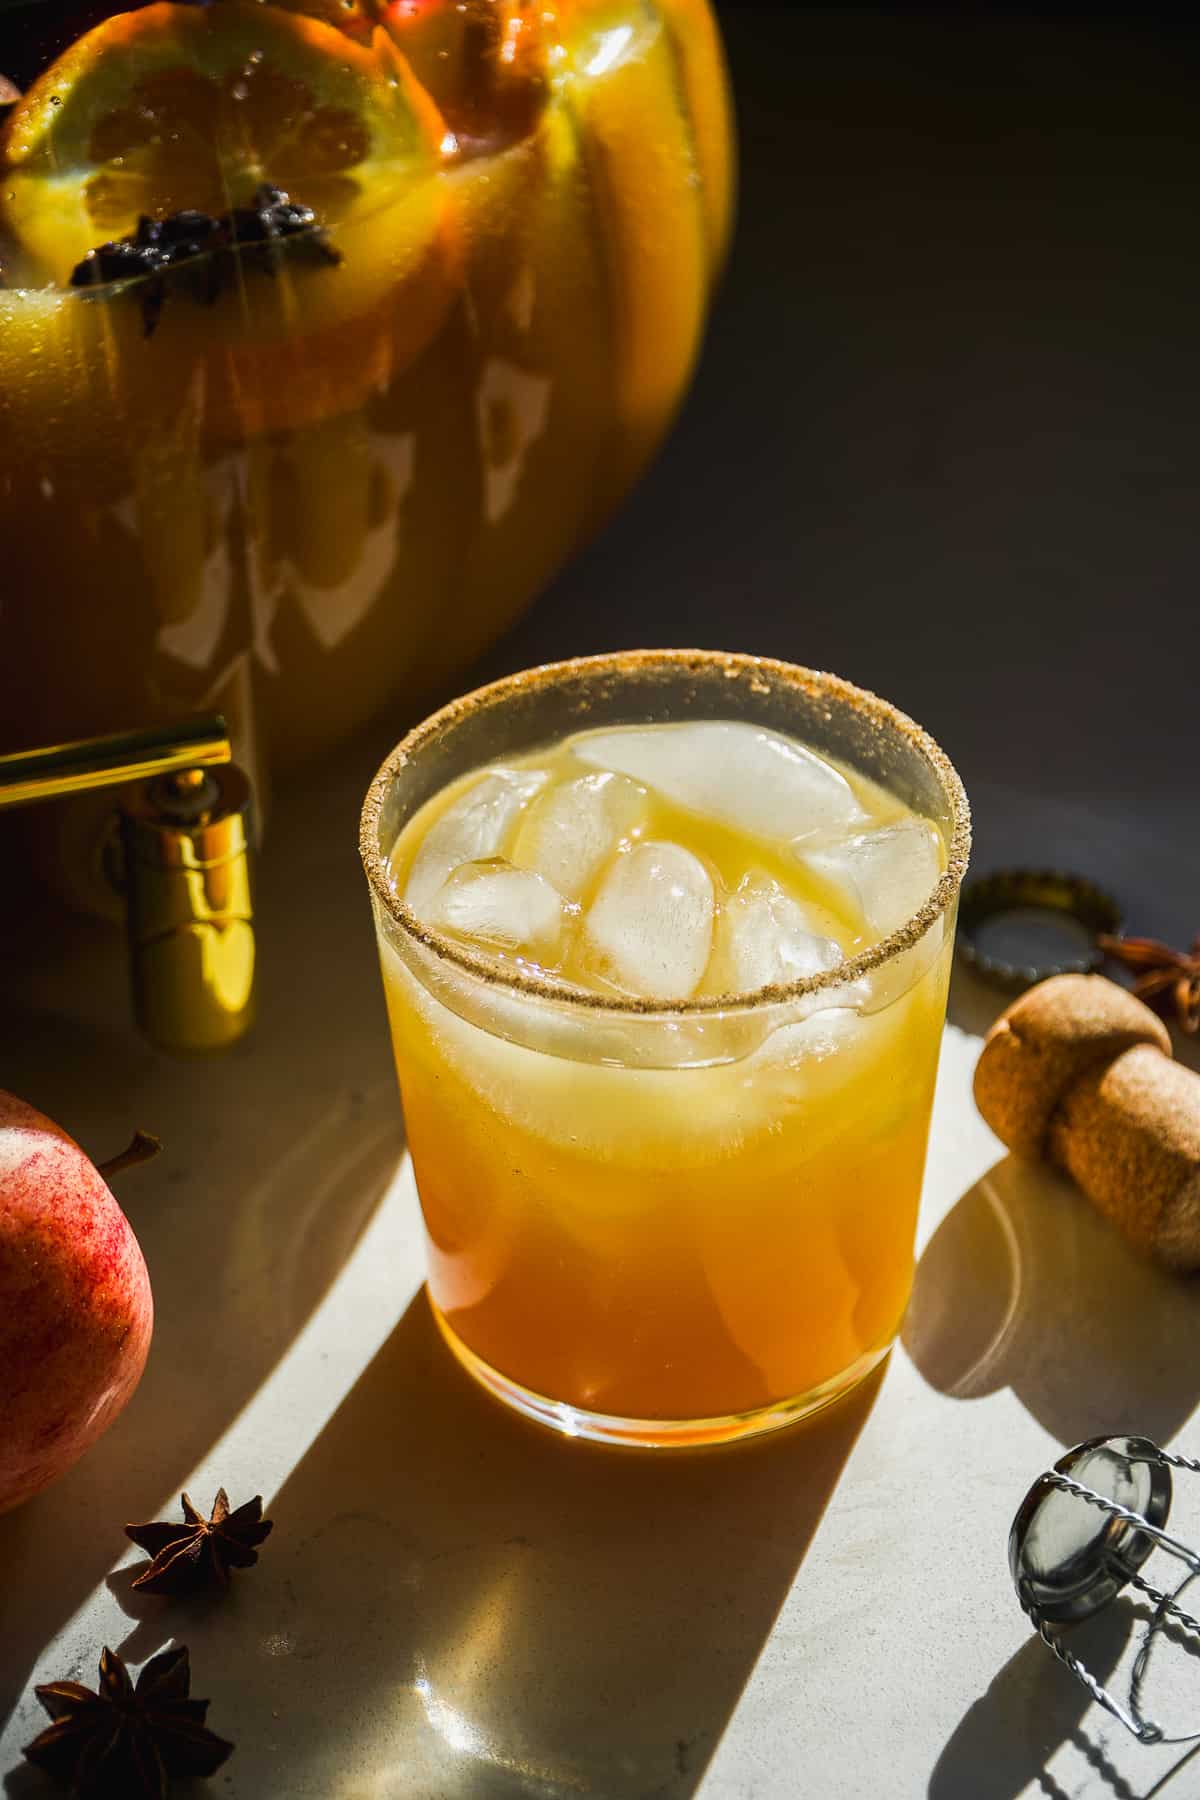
(111, 761)
(185, 855)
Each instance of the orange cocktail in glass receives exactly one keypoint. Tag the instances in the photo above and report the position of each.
(665, 942)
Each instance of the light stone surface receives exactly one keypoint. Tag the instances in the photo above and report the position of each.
(456, 1604)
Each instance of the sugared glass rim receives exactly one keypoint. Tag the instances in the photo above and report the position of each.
(813, 682)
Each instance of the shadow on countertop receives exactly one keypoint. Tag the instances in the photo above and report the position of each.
(1025, 1286)
(458, 1602)
(1001, 1746)
(243, 1233)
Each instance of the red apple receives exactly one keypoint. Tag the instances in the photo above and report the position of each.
(75, 1305)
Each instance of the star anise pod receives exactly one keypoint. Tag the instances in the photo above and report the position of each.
(1163, 973)
(126, 1742)
(200, 1552)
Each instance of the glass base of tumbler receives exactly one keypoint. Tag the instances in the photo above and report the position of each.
(656, 1434)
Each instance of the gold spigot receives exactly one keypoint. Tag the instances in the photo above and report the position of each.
(183, 865)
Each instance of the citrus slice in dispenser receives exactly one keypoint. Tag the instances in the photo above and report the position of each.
(353, 18)
(487, 63)
(621, 80)
(179, 106)
(180, 109)
(701, 63)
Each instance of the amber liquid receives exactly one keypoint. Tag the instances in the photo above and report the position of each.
(332, 487)
(681, 1244)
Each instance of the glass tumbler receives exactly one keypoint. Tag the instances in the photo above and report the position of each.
(665, 1224)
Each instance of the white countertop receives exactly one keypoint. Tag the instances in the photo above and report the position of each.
(455, 1603)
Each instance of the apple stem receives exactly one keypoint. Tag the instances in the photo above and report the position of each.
(143, 1147)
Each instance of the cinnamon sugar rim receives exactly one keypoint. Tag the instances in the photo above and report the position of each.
(881, 713)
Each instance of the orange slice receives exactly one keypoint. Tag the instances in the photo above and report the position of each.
(701, 59)
(486, 63)
(354, 18)
(180, 106)
(621, 80)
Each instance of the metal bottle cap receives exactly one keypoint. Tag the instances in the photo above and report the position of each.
(1018, 926)
(186, 838)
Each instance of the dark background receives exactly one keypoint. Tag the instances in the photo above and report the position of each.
(943, 437)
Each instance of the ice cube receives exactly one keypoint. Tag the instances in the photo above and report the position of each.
(741, 775)
(501, 907)
(765, 936)
(650, 927)
(570, 831)
(475, 826)
(827, 1032)
(888, 874)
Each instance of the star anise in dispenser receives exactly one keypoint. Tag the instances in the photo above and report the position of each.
(199, 1553)
(1162, 974)
(127, 1741)
(198, 253)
